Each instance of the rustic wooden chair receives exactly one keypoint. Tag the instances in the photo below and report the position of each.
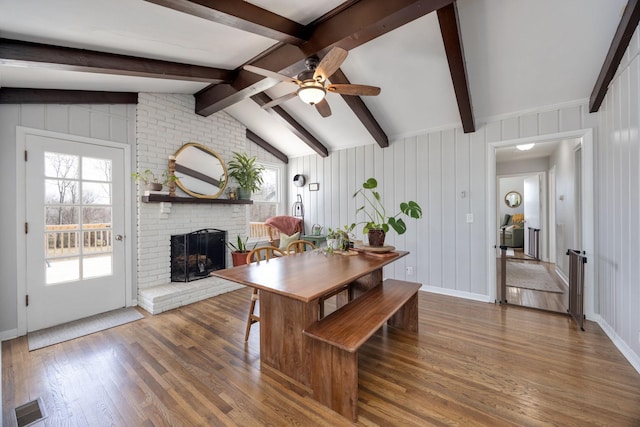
(264, 253)
(298, 246)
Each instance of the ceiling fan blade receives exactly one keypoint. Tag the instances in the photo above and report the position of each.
(323, 108)
(355, 90)
(330, 63)
(273, 75)
(279, 100)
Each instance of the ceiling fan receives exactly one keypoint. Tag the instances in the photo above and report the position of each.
(312, 86)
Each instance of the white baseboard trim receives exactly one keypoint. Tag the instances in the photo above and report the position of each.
(624, 348)
(562, 276)
(8, 335)
(458, 294)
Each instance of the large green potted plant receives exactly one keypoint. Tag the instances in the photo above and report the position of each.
(377, 222)
(247, 173)
(239, 250)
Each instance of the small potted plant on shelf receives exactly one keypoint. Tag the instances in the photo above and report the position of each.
(239, 250)
(153, 182)
(378, 223)
(247, 173)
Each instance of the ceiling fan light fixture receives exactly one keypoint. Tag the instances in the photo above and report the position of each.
(312, 94)
(525, 147)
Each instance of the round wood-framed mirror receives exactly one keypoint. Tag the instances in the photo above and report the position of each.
(513, 199)
(200, 172)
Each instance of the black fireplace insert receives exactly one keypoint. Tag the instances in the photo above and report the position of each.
(195, 255)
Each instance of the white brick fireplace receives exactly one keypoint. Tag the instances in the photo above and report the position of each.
(164, 123)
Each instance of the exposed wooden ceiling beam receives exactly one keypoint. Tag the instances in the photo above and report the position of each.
(53, 96)
(450, 29)
(628, 24)
(351, 27)
(242, 15)
(295, 127)
(23, 53)
(251, 136)
(361, 111)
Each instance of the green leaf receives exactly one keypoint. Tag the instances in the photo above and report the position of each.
(411, 209)
(370, 184)
(398, 225)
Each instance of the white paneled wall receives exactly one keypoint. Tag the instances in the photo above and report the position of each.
(446, 173)
(617, 208)
(108, 122)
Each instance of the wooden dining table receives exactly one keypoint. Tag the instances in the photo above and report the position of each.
(291, 288)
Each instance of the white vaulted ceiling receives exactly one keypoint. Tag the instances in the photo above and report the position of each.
(520, 55)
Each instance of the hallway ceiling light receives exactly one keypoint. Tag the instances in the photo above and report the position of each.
(525, 147)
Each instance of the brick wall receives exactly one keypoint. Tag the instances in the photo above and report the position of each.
(164, 123)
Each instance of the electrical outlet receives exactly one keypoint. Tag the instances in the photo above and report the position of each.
(469, 218)
(409, 271)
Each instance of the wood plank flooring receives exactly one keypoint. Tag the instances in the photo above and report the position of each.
(541, 300)
(472, 364)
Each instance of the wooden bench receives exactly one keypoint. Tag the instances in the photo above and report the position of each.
(337, 338)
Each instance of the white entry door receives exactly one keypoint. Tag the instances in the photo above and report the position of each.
(75, 228)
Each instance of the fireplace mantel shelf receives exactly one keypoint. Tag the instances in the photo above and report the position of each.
(162, 198)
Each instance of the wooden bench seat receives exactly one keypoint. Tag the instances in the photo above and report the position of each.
(337, 338)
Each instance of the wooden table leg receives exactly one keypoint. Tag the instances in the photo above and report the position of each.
(283, 347)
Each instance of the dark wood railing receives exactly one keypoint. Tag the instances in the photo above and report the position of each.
(533, 250)
(577, 260)
(502, 289)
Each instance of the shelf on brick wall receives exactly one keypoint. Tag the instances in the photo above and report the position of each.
(162, 198)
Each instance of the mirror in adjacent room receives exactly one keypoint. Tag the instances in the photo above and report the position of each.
(513, 199)
(200, 172)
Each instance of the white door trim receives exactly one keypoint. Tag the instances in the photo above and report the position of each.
(587, 203)
(21, 247)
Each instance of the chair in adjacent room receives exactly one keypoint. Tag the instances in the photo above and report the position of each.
(264, 253)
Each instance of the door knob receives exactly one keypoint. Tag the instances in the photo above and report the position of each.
(119, 237)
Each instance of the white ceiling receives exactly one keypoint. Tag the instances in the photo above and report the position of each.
(539, 150)
(520, 54)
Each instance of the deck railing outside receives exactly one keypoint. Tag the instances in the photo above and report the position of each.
(64, 239)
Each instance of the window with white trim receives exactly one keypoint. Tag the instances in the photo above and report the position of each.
(268, 201)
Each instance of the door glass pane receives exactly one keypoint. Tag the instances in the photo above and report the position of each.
(61, 191)
(96, 169)
(96, 193)
(57, 165)
(97, 215)
(62, 215)
(97, 266)
(61, 243)
(62, 270)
